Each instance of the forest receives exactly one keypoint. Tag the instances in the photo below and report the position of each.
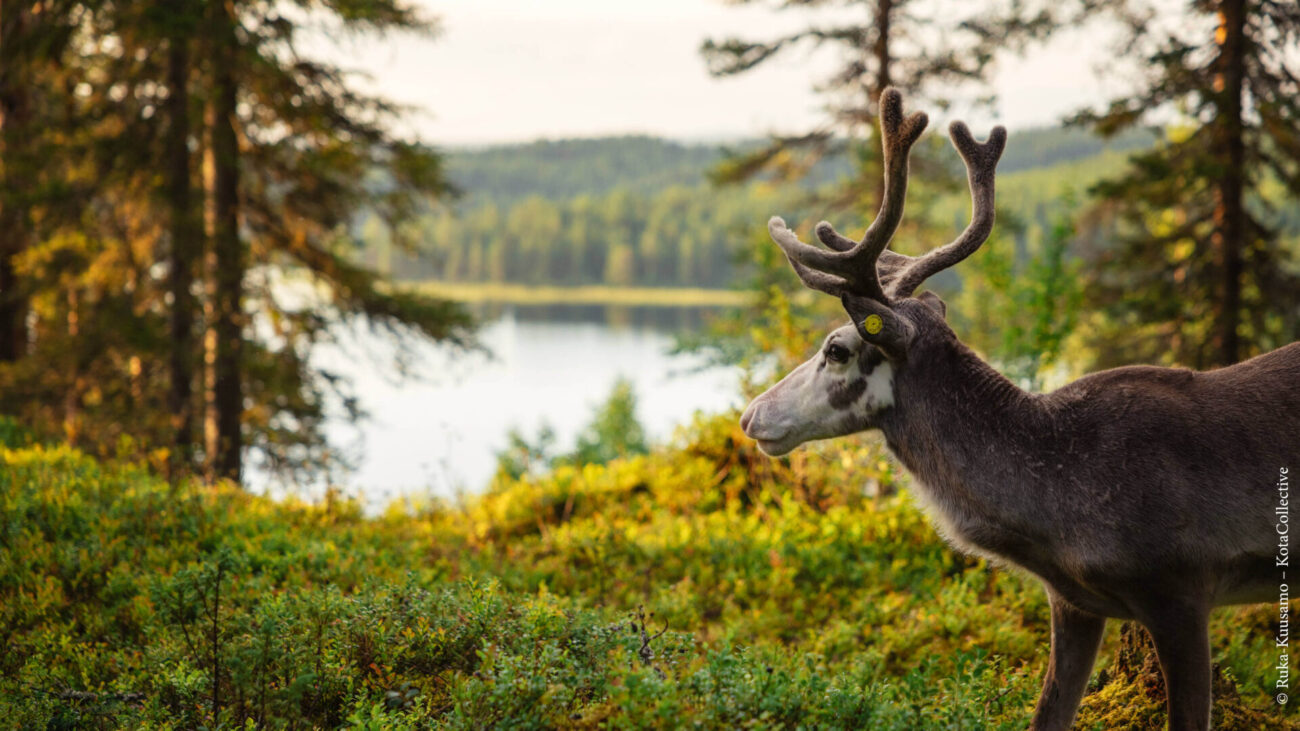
(640, 212)
(193, 206)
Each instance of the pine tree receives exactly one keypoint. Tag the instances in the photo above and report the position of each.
(883, 48)
(297, 158)
(926, 50)
(1200, 274)
(311, 156)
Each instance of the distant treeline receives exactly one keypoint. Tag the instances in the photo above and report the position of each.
(561, 169)
(678, 236)
(625, 211)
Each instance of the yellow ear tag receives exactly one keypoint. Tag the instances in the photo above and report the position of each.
(873, 324)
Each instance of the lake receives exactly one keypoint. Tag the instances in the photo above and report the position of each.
(438, 434)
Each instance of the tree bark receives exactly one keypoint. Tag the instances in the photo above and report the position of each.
(186, 238)
(15, 150)
(225, 338)
(1229, 236)
(880, 51)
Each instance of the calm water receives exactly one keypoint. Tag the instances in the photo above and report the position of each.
(439, 434)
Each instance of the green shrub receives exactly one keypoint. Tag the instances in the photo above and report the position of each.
(776, 594)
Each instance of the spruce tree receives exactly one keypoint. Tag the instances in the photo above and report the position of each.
(315, 155)
(1199, 271)
(127, 98)
(923, 49)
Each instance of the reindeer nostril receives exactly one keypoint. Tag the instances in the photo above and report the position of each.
(747, 417)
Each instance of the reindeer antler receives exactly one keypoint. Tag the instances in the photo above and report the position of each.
(867, 268)
(851, 267)
(981, 165)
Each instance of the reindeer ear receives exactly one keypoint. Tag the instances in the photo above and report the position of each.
(877, 324)
(931, 300)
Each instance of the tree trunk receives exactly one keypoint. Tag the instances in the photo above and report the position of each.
(880, 51)
(185, 243)
(15, 150)
(225, 338)
(1230, 233)
(13, 305)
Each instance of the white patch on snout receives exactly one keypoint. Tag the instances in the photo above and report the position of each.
(799, 408)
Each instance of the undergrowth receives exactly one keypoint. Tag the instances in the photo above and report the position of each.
(702, 585)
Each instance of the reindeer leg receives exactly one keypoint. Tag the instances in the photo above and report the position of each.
(1075, 637)
(1181, 635)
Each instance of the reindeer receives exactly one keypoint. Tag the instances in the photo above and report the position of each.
(1137, 493)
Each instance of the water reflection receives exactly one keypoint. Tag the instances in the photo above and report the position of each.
(549, 365)
(667, 319)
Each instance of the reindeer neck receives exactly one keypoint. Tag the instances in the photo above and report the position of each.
(972, 440)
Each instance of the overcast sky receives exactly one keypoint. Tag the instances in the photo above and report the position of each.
(517, 70)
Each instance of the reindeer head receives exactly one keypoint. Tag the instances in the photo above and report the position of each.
(850, 382)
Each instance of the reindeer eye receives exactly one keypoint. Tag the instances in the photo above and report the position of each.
(838, 353)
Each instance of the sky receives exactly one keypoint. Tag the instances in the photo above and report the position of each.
(518, 70)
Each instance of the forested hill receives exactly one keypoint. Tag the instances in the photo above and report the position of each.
(638, 211)
(560, 169)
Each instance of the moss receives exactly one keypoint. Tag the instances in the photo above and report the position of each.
(1130, 694)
